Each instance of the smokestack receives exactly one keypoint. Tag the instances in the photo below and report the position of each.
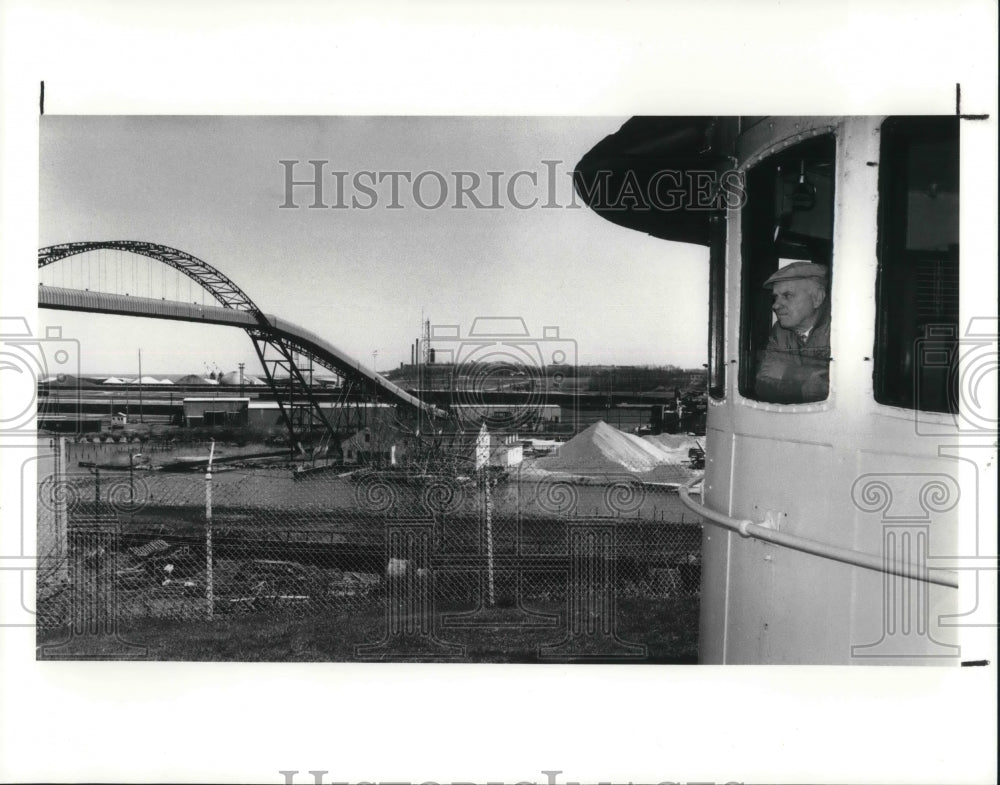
(413, 354)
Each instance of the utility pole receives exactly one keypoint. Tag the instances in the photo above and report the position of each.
(422, 357)
(131, 481)
(209, 560)
(426, 355)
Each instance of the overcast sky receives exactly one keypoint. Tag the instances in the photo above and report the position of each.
(362, 278)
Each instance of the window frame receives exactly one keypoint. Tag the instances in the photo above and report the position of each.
(891, 225)
(717, 291)
(751, 275)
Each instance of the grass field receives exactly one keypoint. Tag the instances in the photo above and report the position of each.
(668, 628)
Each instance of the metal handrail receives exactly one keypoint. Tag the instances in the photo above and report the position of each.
(748, 528)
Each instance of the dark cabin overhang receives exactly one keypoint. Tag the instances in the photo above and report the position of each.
(653, 175)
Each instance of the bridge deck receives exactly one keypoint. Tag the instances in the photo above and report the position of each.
(308, 342)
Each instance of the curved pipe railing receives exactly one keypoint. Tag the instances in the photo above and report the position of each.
(748, 528)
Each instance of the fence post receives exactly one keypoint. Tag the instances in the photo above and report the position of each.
(60, 548)
(491, 598)
(516, 617)
(209, 588)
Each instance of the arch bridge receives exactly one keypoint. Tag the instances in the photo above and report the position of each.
(287, 352)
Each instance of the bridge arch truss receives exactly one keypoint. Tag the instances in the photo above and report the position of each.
(284, 350)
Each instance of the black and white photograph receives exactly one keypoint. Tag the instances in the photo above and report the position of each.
(439, 420)
(442, 431)
(395, 404)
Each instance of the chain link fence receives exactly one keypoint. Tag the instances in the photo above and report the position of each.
(491, 565)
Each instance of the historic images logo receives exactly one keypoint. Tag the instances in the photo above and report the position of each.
(317, 184)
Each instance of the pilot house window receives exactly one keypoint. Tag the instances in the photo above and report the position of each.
(787, 238)
(917, 326)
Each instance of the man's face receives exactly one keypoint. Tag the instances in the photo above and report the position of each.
(796, 303)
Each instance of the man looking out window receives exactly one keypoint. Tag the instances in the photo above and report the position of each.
(796, 364)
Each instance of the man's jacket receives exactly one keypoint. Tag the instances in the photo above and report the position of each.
(793, 370)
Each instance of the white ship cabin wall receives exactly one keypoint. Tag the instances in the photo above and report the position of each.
(868, 468)
(848, 471)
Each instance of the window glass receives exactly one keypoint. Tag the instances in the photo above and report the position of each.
(917, 325)
(787, 238)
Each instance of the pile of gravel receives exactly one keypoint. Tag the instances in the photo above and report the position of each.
(602, 448)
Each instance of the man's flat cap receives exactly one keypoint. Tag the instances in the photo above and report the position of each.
(797, 270)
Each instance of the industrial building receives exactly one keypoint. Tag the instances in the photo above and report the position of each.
(368, 447)
(263, 415)
(496, 449)
(266, 415)
(510, 416)
(506, 450)
(207, 412)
